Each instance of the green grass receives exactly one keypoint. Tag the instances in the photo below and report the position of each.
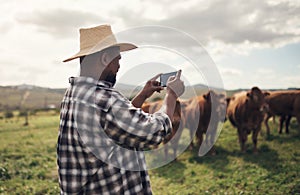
(28, 156)
(275, 170)
(28, 163)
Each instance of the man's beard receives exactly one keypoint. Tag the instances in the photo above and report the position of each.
(111, 78)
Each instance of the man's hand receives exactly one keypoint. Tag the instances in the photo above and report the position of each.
(150, 87)
(175, 85)
(175, 88)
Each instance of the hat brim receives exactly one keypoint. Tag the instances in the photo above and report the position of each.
(88, 51)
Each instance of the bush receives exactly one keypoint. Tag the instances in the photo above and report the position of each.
(23, 113)
(9, 114)
(33, 112)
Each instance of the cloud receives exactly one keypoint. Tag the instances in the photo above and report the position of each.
(268, 75)
(5, 27)
(265, 71)
(230, 72)
(59, 23)
(231, 22)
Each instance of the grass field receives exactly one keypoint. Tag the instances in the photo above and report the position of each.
(28, 163)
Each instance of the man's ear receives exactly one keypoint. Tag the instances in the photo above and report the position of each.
(105, 59)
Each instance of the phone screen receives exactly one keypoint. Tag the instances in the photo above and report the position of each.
(164, 78)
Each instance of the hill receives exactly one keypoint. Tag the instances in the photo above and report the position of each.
(29, 97)
(35, 97)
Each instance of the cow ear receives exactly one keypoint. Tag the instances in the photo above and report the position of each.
(228, 100)
(249, 95)
(207, 96)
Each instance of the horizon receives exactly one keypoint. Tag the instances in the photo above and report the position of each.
(134, 86)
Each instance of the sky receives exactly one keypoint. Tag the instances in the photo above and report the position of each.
(231, 44)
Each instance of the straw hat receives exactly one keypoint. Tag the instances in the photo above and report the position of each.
(96, 39)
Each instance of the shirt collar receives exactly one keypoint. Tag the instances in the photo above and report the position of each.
(89, 80)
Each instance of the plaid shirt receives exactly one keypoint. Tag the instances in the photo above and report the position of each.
(102, 138)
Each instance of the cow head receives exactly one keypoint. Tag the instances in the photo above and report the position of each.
(258, 98)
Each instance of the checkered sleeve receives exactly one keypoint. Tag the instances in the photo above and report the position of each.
(130, 126)
(92, 159)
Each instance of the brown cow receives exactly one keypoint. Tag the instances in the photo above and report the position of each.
(246, 112)
(151, 107)
(203, 114)
(285, 104)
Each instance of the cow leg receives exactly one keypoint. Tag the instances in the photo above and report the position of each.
(166, 148)
(199, 136)
(282, 119)
(254, 139)
(245, 135)
(200, 139)
(192, 140)
(211, 136)
(287, 123)
(298, 120)
(267, 124)
(192, 133)
(242, 139)
(175, 139)
(175, 146)
(211, 144)
(175, 151)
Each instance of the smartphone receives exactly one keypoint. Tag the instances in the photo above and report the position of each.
(164, 78)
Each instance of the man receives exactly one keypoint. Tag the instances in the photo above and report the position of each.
(102, 134)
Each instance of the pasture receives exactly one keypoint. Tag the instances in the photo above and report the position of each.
(28, 162)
